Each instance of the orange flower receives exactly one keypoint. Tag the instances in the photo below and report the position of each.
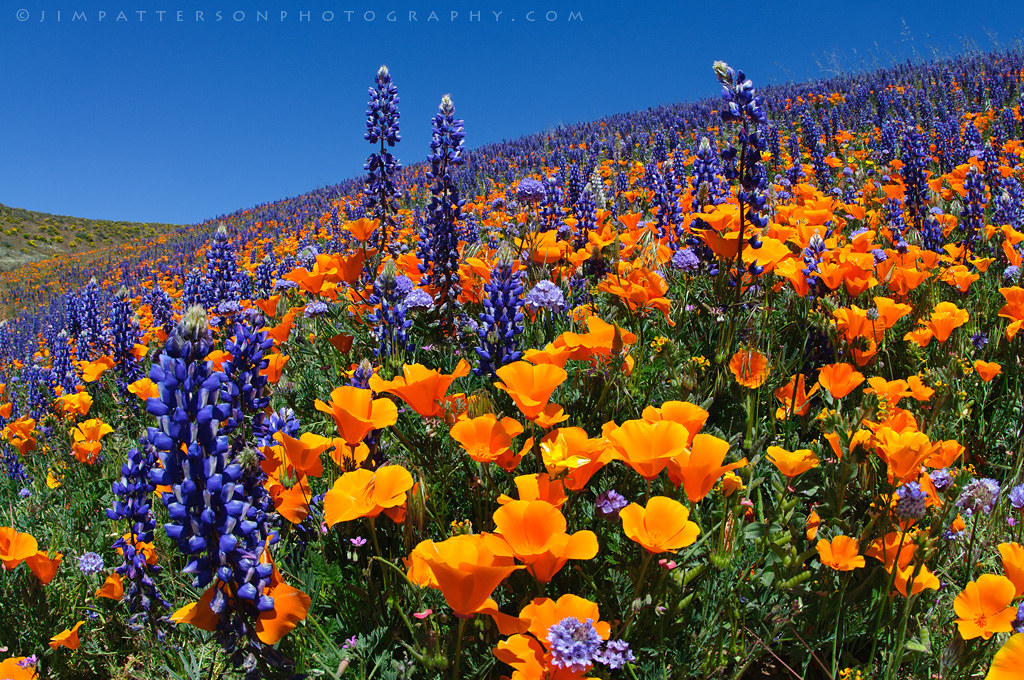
(535, 532)
(700, 468)
(663, 526)
(570, 452)
(144, 389)
(839, 379)
(1013, 565)
(984, 607)
(892, 391)
(800, 403)
(903, 452)
(946, 317)
(1008, 661)
(366, 493)
(924, 579)
(842, 553)
(218, 358)
(987, 369)
(421, 388)
(21, 434)
(792, 463)
(362, 229)
(538, 487)
(281, 331)
(300, 456)
(526, 650)
(530, 386)
(76, 403)
(355, 412)
(813, 522)
(291, 605)
(648, 447)
(488, 440)
(689, 415)
(112, 588)
(67, 637)
(1013, 309)
(275, 365)
(87, 436)
(92, 370)
(291, 496)
(16, 547)
(11, 670)
(750, 368)
(465, 568)
(44, 566)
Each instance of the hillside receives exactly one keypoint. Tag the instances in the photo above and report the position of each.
(30, 236)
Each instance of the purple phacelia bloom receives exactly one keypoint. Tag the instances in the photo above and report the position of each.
(418, 297)
(879, 255)
(315, 308)
(941, 479)
(910, 502)
(284, 284)
(24, 493)
(979, 340)
(573, 644)
(1011, 273)
(980, 495)
(610, 502)
(545, 295)
(685, 260)
(28, 661)
(1017, 497)
(1018, 623)
(616, 654)
(530, 191)
(90, 563)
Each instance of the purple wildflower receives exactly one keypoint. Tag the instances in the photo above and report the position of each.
(90, 563)
(573, 644)
(545, 295)
(1017, 497)
(910, 503)
(941, 479)
(615, 655)
(980, 495)
(610, 502)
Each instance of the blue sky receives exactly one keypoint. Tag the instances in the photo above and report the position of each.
(179, 121)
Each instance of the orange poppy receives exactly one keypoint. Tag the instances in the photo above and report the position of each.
(281, 331)
(465, 568)
(291, 496)
(750, 368)
(689, 415)
(903, 452)
(812, 524)
(92, 370)
(799, 403)
(275, 365)
(1008, 661)
(792, 463)
(77, 403)
(571, 455)
(924, 579)
(699, 469)
(841, 554)
(144, 389)
(1013, 309)
(1013, 564)
(44, 566)
(422, 388)
(356, 412)
(987, 369)
(648, 447)
(112, 588)
(291, 605)
(663, 526)
(488, 440)
(362, 229)
(67, 638)
(87, 436)
(538, 487)
(218, 358)
(367, 493)
(268, 306)
(892, 391)
(984, 607)
(21, 434)
(839, 379)
(530, 386)
(16, 547)
(535, 532)
(300, 456)
(946, 317)
(11, 669)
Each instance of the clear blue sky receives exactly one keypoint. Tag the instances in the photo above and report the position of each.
(181, 121)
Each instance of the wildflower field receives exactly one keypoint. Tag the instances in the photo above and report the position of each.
(729, 389)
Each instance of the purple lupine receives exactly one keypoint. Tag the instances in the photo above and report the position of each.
(222, 291)
(133, 502)
(502, 319)
(382, 127)
(388, 317)
(245, 388)
(915, 160)
(125, 335)
(972, 216)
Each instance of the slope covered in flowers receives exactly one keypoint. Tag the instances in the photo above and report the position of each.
(727, 389)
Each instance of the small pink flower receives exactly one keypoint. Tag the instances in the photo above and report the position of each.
(423, 614)
(666, 564)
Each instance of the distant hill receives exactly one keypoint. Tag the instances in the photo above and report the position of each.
(30, 236)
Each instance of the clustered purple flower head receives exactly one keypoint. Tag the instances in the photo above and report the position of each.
(29, 661)
(25, 493)
(575, 645)
(545, 295)
(910, 502)
(1011, 273)
(685, 260)
(1017, 497)
(610, 502)
(980, 495)
(418, 298)
(530, 191)
(1018, 623)
(941, 479)
(90, 563)
(615, 654)
(315, 308)
(381, 167)
(502, 319)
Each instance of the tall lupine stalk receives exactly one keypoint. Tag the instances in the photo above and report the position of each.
(501, 322)
(222, 289)
(125, 334)
(245, 388)
(441, 251)
(388, 318)
(382, 127)
(215, 505)
(743, 108)
(134, 493)
(915, 160)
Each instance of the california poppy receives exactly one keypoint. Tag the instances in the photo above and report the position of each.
(663, 526)
(792, 463)
(356, 412)
(841, 553)
(488, 440)
(839, 379)
(648, 447)
(87, 436)
(17, 668)
(530, 386)
(44, 566)
(987, 369)
(1008, 661)
(750, 368)
(945, 318)
(16, 547)
(794, 397)
(984, 607)
(422, 388)
(1012, 555)
(367, 493)
(699, 468)
(535, 532)
(465, 568)
(112, 588)
(67, 638)
(275, 365)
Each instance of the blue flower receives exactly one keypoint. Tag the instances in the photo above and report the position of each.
(573, 644)
(616, 654)
(980, 495)
(910, 502)
(90, 563)
(610, 502)
(530, 191)
(1017, 497)
(545, 295)
(418, 297)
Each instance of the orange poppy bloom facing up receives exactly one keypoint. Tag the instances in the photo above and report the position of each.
(530, 386)
(362, 229)
(77, 403)
(946, 317)
(1009, 660)
(792, 463)
(841, 554)
(356, 412)
(663, 526)
(839, 379)
(16, 547)
(648, 447)
(87, 436)
(799, 403)
(1013, 309)
(487, 439)
(44, 566)
(112, 588)
(987, 369)
(92, 370)
(144, 389)
(984, 607)
(422, 388)
(535, 532)
(21, 434)
(67, 637)
(366, 493)
(750, 368)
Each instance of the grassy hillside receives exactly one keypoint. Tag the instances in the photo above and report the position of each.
(30, 236)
